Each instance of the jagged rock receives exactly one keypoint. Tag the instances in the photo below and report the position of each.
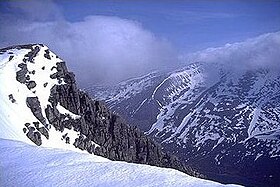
(34, 136)
(67, 140)
(64, 136)
(117, 140)
(69, 78)
(32, 53)
(67, 96)
(61, 71)
(27, 124)
(67, 123)
(79, 142)
(11, 98)
(47, 54)
(52, 116)
(31, 84)
(44, 132)
(54, 75)
(20, 75)
(34, 105)
(36, 124)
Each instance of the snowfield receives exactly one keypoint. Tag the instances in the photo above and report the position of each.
(22, 164)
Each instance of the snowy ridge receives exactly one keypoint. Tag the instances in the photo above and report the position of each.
(123, 90)
(56, 167)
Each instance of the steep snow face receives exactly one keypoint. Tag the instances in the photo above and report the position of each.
(208, 115)
(57, 167)
(26, 78)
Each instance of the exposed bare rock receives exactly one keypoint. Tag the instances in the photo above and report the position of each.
(34, 105)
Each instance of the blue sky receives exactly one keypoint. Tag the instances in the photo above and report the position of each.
(109, 41)
(189, 25)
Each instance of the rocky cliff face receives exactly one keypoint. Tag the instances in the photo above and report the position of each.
(57, 104)
(116, 140)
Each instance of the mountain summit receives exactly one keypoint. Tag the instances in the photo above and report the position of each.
(41, 104)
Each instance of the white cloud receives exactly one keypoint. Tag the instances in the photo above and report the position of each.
(102, 49)
(260, 52)
(99, 49)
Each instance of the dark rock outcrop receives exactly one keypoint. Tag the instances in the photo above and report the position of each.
(102, 132)
(34, 136)
(21, 74)
(30, 56)
(31, 84)
(11, 98)
(34, 105)
(47, 54)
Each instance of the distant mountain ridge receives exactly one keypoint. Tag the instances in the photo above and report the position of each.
(224, 123)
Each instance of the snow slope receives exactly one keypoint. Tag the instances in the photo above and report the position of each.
(26, 165)
(14, 110)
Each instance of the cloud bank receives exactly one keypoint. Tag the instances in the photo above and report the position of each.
(106, 49)
(99, 49)
(260, 52)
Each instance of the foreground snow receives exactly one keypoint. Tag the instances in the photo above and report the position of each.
(22, 164)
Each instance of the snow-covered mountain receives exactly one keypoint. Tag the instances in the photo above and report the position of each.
(41, 105)
(27, 165)
(224, 123)
(27, 75)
